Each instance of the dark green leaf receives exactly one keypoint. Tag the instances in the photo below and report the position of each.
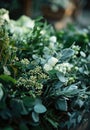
(53, 123)
(28, 101)
(61, 104)
(18, 107)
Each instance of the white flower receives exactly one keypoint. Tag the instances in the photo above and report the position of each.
(53, 39)
(52, 61)
(43, 32)
(6, 16)
(60, 68)
(47, 67)
(51, 45)
(64, 67)
(25, 61)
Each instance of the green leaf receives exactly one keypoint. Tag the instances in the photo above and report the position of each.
(35, 117)
(7, 78)
(61, 104)
(1, 91)
(28, 101)
(71, 90)
(40, 108)
(5, 114)
(18, 107)
(66, 54)
(61, 77)
(53, 123)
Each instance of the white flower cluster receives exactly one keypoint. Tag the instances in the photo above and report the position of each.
(64, 67)
(50, 64)
(25, 61)
(76, 48)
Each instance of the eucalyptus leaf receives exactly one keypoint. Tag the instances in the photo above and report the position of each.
(61, 104)
(35, 117)
(58, 85)
(40, 108)
(66, 54)
(61, 77)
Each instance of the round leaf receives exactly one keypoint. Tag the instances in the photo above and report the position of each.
(39, 108)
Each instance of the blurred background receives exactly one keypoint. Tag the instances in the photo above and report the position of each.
(57, 12)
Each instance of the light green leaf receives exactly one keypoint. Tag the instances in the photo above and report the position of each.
(66, 54)
(61, 77)
(35, 117)
(40, 108)
(1, 91)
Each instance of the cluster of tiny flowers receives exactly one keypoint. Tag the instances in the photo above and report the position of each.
(76, 48)
(33, 81)
(25, 61)
(64, 67)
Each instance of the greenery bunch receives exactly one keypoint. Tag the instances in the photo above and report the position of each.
(44, 75)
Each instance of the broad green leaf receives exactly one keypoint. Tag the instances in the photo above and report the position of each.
(66, 54)
(28, 101)
(40, 108)
(18, 107)
(61, 104)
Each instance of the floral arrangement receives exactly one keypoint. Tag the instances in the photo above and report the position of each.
(44, 75)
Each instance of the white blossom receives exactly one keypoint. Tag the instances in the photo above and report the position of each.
(53, 39)
(47, 67)
(64, 67)
(25, 61)
(43, 32)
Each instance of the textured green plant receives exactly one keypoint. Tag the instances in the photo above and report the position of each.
(44, 81)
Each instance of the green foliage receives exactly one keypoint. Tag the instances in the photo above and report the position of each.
(44, 75)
